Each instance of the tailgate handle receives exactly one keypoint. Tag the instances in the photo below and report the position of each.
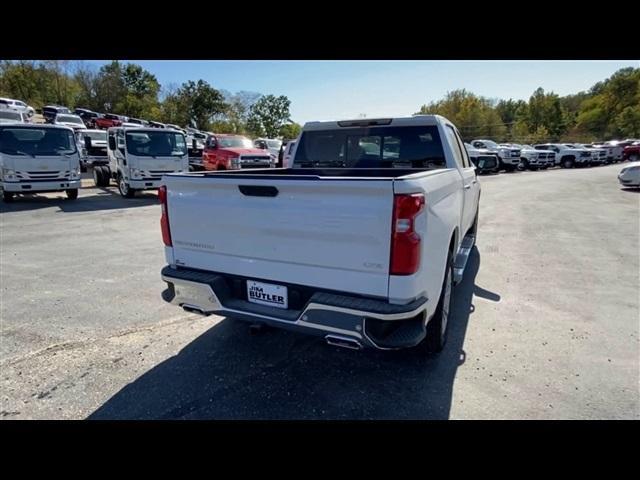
(258, 190)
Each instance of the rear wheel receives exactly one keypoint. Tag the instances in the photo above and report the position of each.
(634, 157)
(103, 176)
(7, 197)
(97, 176)
(72, 193)
(567, 162)
(437, 326)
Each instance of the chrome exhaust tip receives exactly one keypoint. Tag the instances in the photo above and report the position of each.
(344, 342)
(193, 309)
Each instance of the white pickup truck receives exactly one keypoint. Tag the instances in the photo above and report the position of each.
(509, 157)
(567, 156)
(361, 241)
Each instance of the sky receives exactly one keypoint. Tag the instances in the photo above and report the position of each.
(334, 90)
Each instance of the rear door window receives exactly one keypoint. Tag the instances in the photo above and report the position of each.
(455, 146)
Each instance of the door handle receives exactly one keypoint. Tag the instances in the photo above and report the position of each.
(467, 187)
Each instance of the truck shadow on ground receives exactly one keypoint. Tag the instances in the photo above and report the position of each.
(228, 374)
(90, 199)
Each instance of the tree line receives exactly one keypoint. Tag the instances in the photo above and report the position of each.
(608, 110)
(130, 90)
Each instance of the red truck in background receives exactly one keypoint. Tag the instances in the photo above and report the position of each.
(232, 152)
(107, 121)
(631, 152)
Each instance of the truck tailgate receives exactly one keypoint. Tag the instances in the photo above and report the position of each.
(323, 232)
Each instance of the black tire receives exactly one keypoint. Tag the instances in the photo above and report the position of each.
(83, 168)
(101, 176)
(525, 164)
(7, 197)
(634, 157)
(97, 176)
(72, 193)
(567, 162)
(106, 176)
(437, 328)
(123, 187)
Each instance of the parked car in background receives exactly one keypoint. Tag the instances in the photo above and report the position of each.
(38, 158)
(156, 125)
(485, 160)
(140, 156)
(364, 256)
(49, 112)
(566, 155)
(619, 146)
(530, 158)
(546, 158)
(231, 152)
(631, 152)
(69, 120)
(629, 176)
(509, 157)
(137, 121)
(598, 155)
(271, 144)
(87, 116)
(12, 116)
(195, 146)
(175, 127)
(92, 145)
(19, 106)
(108, 120)
(286, 156)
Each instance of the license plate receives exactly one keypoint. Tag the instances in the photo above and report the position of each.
(267, 294)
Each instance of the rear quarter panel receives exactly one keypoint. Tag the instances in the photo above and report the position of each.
(436, 225)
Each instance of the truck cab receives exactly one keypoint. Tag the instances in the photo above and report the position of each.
(139, 157)
(232, 152)
(509, 157)
(38, 158)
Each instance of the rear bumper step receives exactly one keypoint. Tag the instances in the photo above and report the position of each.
(324, 314)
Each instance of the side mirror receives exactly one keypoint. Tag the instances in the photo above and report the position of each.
(112, 143)
(87, 142)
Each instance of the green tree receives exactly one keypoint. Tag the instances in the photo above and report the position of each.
(140, 92)
(201, 102)
(473, 115)
(290, 130)
(268, 115)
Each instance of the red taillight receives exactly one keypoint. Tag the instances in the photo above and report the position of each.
(164, 219)
(405, 242)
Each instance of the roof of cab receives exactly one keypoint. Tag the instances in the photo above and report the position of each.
(374, 122)
(42, 125)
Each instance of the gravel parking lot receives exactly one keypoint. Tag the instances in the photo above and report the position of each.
(546, 323)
